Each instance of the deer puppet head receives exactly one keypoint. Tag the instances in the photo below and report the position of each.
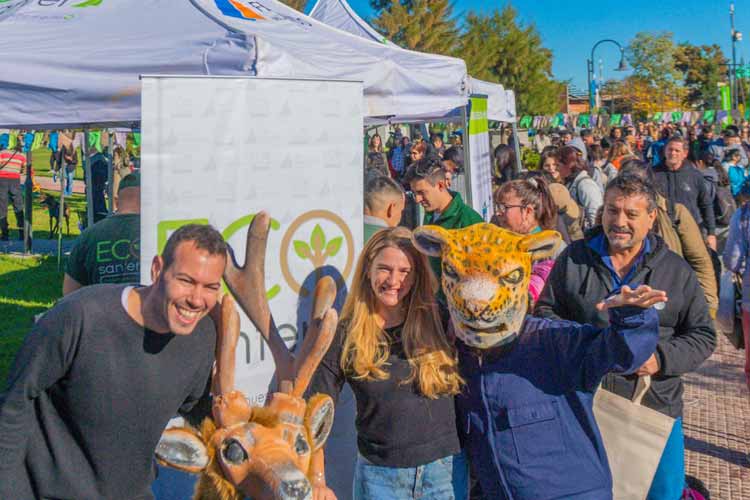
(260, 452)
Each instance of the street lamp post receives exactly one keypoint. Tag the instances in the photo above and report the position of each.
(590, 67)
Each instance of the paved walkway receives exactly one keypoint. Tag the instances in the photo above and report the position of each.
(46, 183)
(717, 424)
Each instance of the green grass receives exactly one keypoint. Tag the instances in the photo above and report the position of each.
(40, 162)
(40, 222)
(28, 286)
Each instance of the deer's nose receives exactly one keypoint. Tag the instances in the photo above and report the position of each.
(295, 489)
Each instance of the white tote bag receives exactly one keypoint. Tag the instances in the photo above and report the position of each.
(634, 438)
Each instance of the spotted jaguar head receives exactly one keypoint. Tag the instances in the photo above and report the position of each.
(486, 272)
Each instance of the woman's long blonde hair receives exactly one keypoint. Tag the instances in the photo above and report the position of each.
(366, 348)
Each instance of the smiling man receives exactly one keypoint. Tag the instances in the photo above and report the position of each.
(623, 251)
(442, 207)
(100, 375)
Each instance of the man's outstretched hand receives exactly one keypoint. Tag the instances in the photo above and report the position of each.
(643, 296)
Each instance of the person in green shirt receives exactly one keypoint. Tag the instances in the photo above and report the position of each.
(109, 251)
(443, 207)
(384, 203)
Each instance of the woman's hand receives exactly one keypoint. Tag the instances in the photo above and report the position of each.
(643, 296)
(323, 493)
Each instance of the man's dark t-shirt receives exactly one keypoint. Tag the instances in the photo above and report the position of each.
(108, 252)
(90, 393)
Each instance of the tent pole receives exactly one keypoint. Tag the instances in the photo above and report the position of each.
(467, 155)
(87, 179)
(28, 206)
(110, 175)
(517, 149)
(61, 218)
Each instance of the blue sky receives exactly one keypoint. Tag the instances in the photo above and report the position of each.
(571, 28)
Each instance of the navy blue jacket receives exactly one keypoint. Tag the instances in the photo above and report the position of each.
(525, 415)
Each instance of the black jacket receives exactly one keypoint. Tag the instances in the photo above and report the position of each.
(580, 279)
(687, 186)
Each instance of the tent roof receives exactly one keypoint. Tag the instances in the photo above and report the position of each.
(290, 44)
(72, 65)
(339, 14)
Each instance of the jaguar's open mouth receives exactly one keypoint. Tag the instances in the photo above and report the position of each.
(490, 329)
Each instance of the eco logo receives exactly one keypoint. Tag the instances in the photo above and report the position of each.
(235, 8)
(318, 249)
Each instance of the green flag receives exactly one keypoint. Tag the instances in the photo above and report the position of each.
(584, 120)
(95, 140)
(525, 122)
(38, 138)
(614, 120)
(12, 139)
(709, 115)
(676, 116)
(747, 114)
(657, 116)
(137, 138)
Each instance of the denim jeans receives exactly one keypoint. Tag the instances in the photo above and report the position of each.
(444, 479)
(69, 182)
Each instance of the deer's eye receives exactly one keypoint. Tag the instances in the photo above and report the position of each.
(301, 446)
(233, 452)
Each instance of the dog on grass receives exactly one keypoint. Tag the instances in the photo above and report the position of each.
(53, 208)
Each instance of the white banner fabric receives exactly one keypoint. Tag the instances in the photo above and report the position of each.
(218, 150)
(480, 159)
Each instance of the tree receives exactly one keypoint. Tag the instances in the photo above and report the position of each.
(296, 4)
(496, 48)
(655, 84)
(423, 25)
(702, 68)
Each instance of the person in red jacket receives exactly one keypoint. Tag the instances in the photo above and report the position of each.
(12, 165)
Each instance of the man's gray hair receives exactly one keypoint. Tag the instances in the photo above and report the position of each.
(379, 189)
(632, 184)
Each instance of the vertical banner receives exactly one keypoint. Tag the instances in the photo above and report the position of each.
(726, 104)
(480, 159)
(219, 150)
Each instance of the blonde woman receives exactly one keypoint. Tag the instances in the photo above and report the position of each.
(390, 347)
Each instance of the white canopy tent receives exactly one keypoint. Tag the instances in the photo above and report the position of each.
(72, 65)
(78, 63)
(339, 14)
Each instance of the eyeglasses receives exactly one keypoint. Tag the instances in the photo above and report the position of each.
(502, 208)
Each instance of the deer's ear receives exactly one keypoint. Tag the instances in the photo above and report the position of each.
(319, 419)
(182, 449)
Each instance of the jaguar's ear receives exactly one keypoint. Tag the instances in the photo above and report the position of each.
(430, 240)
(541, 245)
(182, 449)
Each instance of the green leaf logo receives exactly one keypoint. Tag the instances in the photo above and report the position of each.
(333, 246)
(302, 250)
(89, 3)
(317, 239)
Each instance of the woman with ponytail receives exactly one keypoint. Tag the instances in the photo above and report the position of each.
(525, 206)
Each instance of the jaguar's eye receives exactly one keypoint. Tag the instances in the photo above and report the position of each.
(514, 277)
(450, 271)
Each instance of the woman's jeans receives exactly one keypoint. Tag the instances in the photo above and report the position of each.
(69, 175)
(444, 479)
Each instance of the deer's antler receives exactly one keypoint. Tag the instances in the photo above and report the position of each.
(320, 333)
(247, 284)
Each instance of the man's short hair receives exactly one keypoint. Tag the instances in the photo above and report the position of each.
(455, 155)
(130, 180)
(205, 237)
(381, 188)
(631, 184)
(586, 133)
(676, 138)
(429, 168)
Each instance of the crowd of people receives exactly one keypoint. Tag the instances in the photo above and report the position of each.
(644, 216)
